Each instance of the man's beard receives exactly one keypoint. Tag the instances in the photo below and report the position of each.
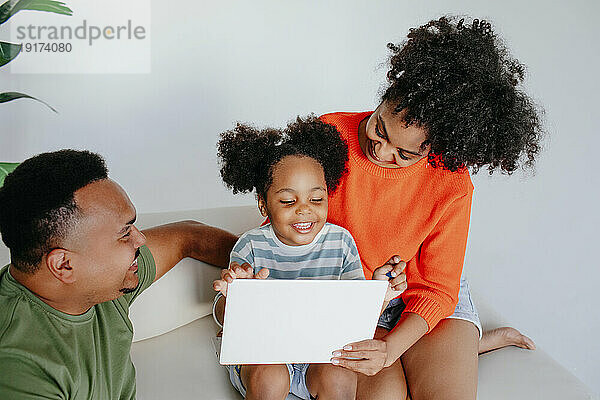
(130, 290)
(127, 290)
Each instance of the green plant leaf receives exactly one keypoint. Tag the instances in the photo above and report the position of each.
(9, 51)
(11, 7)
(10, 96)
(5, 169)
(57, 7)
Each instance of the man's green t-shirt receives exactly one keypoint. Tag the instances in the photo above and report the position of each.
(47, 354)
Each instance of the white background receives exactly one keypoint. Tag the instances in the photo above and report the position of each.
(533, 240)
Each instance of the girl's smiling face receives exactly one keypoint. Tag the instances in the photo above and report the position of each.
(296, 202)
(386, 140)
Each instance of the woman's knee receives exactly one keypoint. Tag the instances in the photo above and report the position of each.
(266, 381)
(331, 382)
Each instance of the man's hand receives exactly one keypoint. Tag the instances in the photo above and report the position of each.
(367, 356)
(237, 271)
(393, 272)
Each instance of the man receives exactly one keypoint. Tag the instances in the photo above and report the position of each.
(77, 264)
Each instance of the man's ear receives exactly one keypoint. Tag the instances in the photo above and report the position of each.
(58, 262)
(262, 206)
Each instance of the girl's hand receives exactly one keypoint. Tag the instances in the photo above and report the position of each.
(392, 271)
(367, 356)
(237, 271)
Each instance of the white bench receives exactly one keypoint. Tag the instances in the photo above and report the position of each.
(174, 356)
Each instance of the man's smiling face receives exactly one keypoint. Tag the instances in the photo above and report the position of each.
(105, 243)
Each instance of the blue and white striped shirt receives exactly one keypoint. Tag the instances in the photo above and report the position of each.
(331, 255)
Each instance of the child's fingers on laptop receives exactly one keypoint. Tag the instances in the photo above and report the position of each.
(395, 259)
(249, 271)
(262, 274)
(399, 268)
(228, 275)
(391, 268)
(234, 265)
(399, 282)
(220, 286)
(393, 292)
(400, 287)
(382, 273)
(244, 271)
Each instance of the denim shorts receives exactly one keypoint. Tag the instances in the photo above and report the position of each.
(465, 309)
(297, 379)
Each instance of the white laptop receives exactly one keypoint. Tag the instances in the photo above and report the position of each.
(297, 321)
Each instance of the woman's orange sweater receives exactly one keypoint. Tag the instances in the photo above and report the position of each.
(418, 212)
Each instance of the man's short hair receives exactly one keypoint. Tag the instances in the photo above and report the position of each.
(37, 204)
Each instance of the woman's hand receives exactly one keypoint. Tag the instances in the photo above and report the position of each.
(237, 271)
(393, 272)
(367, 356)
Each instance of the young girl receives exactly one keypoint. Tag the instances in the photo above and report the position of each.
(292, 172)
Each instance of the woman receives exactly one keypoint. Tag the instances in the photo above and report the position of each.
(452, 104)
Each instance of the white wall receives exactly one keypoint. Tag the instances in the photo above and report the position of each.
(532, 242)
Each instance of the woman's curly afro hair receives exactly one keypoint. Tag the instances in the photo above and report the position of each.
(461, 85)
(248, 155)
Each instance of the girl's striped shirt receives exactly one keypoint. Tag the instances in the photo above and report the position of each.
(331, 255)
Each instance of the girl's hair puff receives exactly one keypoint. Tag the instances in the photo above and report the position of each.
(248, 155)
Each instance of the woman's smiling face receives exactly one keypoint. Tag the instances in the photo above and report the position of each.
(296, 201)
(386, 140)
